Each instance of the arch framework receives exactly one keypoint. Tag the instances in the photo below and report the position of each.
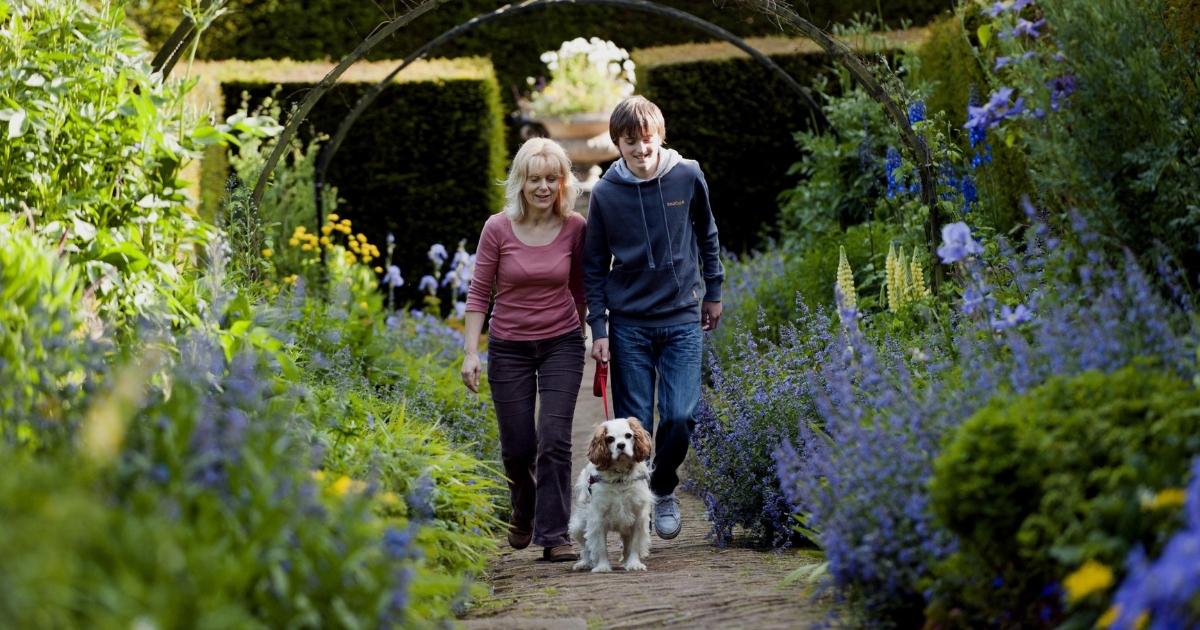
(335, 142)
(842, 53)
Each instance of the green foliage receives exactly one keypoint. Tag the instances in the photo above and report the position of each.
(329, 29)
(42, 340)
(1122, 148)
(1034, 485)
(92, 150)
(735, 117)
(438, 185)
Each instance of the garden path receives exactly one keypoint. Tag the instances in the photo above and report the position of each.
(690, 583)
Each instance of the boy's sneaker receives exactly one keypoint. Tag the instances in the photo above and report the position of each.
(666, 516)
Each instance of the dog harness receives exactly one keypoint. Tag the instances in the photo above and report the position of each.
(595, 479)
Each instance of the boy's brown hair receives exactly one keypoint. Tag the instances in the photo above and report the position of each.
(634, 117)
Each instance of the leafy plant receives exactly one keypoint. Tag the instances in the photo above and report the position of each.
(1036, 485)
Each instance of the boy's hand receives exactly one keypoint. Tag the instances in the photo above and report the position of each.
(600, 350)
(710, 316)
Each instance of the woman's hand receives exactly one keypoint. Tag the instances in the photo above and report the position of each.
(471, 371)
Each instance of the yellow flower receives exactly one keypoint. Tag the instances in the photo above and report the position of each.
(293, 242)
(366, 258)
(1167, 498)
(1141, 621)
(351, 258)
(845, 281)
(306, 247)
(318, 475)
(378, 269)
(353, 245)
(389, 498)
(1092, 577)
(1108, 617)
(362, 238)
(289, 279)
(324, 240)
(326, 229)
(333, 218)
(266, 253)
(300, 229)
(362, 305)
(345, 485)
(345, 221)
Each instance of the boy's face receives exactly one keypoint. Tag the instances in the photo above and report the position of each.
(640, 152)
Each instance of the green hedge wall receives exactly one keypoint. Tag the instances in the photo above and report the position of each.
(737, 119)
(329, 29)
(422, 162)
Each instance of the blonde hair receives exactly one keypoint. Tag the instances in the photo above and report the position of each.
(635, 116)
(534, 154)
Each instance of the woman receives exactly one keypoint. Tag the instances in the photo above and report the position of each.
(532, 254)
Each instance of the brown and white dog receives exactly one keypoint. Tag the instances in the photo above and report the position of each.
(612, 494)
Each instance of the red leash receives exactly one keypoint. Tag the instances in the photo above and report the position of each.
(600, 384)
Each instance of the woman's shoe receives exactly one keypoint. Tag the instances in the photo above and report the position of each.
(520, 532)
(561, 553)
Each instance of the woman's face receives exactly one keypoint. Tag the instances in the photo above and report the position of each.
(541, 188)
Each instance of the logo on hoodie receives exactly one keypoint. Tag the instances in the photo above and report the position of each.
(676, 203)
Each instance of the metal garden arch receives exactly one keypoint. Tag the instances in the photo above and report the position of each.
(178, 41)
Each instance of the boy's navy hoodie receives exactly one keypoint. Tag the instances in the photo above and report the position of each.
(655, 233)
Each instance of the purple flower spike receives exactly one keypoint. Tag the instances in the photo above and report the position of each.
(957, 243)
(1010, 317)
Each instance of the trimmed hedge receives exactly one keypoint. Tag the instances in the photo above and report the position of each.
(422, 162)
(329, 29)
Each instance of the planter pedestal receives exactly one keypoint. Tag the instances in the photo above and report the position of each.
(585, 139)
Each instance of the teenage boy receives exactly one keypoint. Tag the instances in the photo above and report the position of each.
(650, 234)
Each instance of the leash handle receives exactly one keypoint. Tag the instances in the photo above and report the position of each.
(600, 385)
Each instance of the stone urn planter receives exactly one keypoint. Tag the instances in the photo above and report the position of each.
(585, 139)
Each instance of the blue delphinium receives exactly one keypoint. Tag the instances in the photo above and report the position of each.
(977, 135)
(894, 183)
(969, 192)
(916, 112)
(1166, 590)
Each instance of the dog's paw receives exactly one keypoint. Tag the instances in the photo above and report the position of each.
(634, 565)
(582, 565)
(604, 568)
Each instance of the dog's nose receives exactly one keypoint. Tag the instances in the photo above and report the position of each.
(620, 446)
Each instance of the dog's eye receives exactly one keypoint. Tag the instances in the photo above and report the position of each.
(610, 439)
(628, 435)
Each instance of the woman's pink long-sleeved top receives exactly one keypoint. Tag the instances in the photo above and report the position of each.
(537, 288)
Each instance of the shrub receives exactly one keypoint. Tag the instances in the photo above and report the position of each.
(1113, 131)
(435, 184)
(1035, 485)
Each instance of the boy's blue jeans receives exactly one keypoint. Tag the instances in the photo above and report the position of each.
(669, 356)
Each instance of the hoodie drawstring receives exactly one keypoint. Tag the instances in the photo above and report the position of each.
(646, 226)
(667, 228)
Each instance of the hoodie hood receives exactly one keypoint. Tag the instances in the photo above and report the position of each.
(619, 172)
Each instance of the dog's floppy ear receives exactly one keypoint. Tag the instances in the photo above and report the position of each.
(642, 442)
(598, 452)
